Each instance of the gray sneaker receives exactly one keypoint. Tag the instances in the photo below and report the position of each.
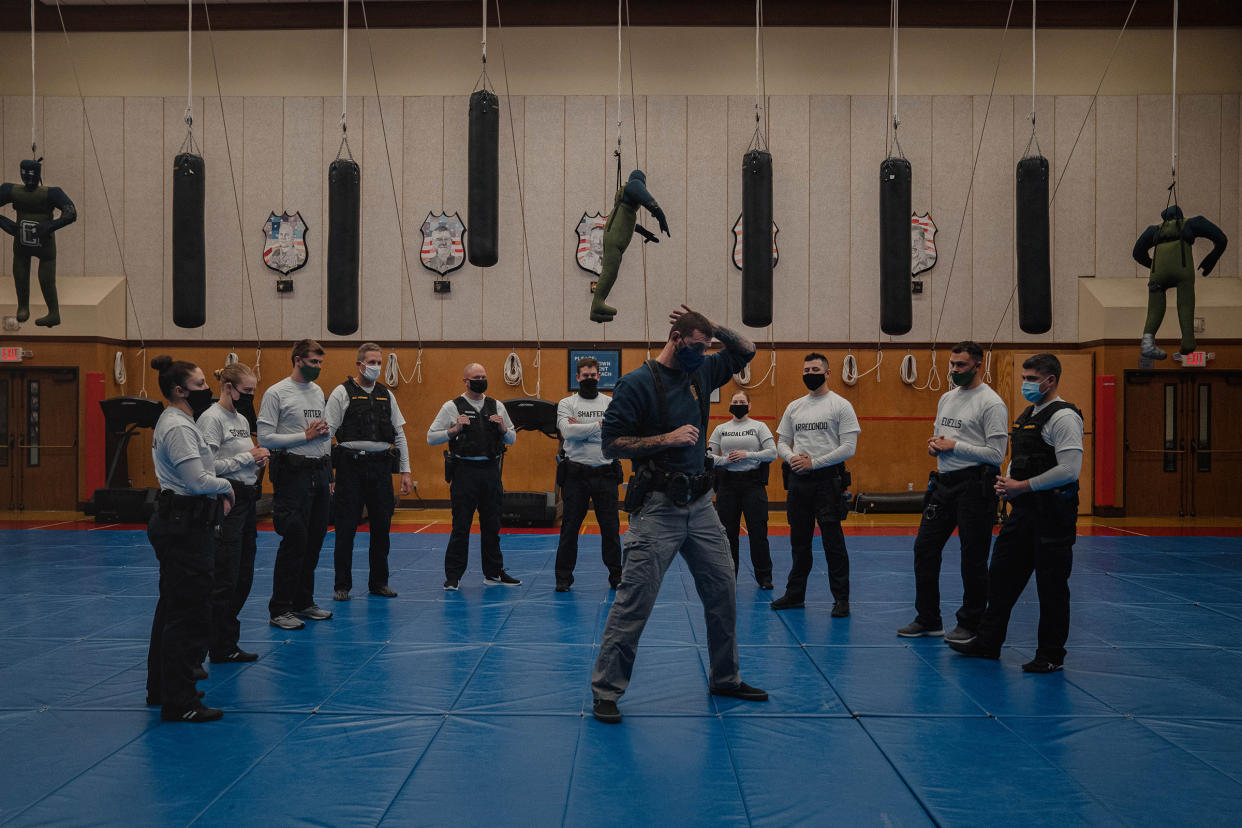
(916, 630)
(960, 634)
(340, 595)
(287, 621)
(313, 613)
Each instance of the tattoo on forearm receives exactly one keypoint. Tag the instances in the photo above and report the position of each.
(631, 446)
(732, 340)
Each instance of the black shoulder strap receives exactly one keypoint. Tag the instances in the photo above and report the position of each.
(489, 407)
(462, 406)
(1041, 419)
(703, 400)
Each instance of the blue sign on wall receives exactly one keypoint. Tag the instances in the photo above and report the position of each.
(609, 366)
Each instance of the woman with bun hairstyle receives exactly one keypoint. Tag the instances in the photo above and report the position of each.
(238, 460)
(182, 531)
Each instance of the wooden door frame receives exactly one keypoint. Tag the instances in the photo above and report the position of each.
(20, 373)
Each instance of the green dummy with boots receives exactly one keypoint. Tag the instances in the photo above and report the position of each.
(34, 236)
(621, 227)
(1172, 265)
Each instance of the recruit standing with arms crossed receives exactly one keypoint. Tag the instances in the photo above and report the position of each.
(1038, 536)
(658, 419)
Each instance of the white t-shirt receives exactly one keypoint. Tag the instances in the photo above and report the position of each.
(287, 409)
(978, 421)
(334, 413)
(228, 435)
(582, 440)
(1063, 432)
(750, 436)
(447, 418)
(824, 428)
(183, 460)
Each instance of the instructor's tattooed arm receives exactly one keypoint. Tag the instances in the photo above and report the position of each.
(732, 340)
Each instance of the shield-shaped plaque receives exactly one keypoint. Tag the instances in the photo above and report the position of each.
(284, 247)
(737, 243)
(590, 255)
(443, 246)
(922, 243)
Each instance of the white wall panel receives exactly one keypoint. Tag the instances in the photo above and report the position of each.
(227, 243)
(63, 166)
(422, 192)
(992, 209)
(507, 310)
(707, 222)
(666, 175)
(1116, 180)
(915, 134)
(1073, 216)
(867, 130)
(1154, 149)
(381, 277)
(305, 177)
(101, 244)
(1046, 134)
(950, 301)
(791, 173)
(588, 180)
(462, 309)
(262, 190)
(830, 219)
(547, 225)
(1230, 185)
(1199, 161)
(144, 219)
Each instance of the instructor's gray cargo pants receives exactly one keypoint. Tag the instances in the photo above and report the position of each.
(658, 531)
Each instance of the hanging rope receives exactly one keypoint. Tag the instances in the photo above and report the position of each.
(392, 371)
(241, 236)
(1173, 163)
(116, 234)
(34, 146)
(893, 26)
(392, 180)
(1052, 198)
(759, 140)
(517, 170)
(188, 145)
(344, 146)
(1034, 139)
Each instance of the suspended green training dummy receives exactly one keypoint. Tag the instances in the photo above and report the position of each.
(1174, 266)
(33, 236)
(622, 225)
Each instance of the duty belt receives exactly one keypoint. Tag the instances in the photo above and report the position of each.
(360, 454)
(679, 487)
(737, 478)
(606, 470)
(199, 509)
(969, 473)
(244, 491)
(298, 461)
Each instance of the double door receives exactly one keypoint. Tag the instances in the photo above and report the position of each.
(1183, 444)
(39, 439)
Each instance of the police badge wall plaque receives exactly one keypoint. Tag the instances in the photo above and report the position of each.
(284, 246)
(590, 255)
(922, 243)
(737, 243)
(443, 248)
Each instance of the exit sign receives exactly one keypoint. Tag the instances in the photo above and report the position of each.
(11, 354)
(1194, 359)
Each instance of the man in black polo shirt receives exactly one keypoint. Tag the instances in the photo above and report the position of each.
(477, 429)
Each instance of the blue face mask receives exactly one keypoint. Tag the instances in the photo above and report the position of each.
(690, 359)
(1031, 392)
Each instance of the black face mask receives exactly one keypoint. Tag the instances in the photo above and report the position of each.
(478, 386)
(245, 407)
(739, 411)
(200, 399)
(588, 389)
(814, 381)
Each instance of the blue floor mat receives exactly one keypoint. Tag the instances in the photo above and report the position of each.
(473, 707)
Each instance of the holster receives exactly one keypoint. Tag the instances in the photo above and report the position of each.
(193, 510)
(449, 464)
(637, 490)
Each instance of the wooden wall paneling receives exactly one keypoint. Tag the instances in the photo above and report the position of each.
(331, 149)
(381, 275)
(262, 190)
(791, 175)
(830, 219)
(627, 294)
(1116, 180)
(461, 310)
(666, 170)
(1230, 184)
(707, 222)
(1154, 147)
(915, 135)
(1074, 210)
(953, 152)
(992, 215)
(588, 180)
(305, 178)
(422, 192)
(174, 137)
(144, 213)
(106, 117)
(867, 130)
(547, 225)
(1046, 133)
(740, 133)
(506, 299)
(228, 294)
(62, 145)
(1199, 161)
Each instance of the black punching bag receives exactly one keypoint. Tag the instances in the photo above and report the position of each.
(1034, 273)
(189, 254)
(896, 313)
(483, 206)
(344, 182)
(757, 239)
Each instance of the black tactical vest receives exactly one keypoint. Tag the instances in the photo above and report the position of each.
(369, 416)
(1030, 455)
(479, 438)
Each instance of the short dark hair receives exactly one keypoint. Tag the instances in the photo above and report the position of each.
(813, 355)
(586, 362)
(1045, 364)
(365, 348)
(304, 348)
(689, 322)
(968, 346)
(173, 372)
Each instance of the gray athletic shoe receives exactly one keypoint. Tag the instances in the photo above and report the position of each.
(340, 595)
(313, 613)
(960, 634)
(287, 621)
(916, 630)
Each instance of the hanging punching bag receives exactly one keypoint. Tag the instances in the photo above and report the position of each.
(483, 205)
(1034, 274)
(189, 255)
(757, 239)
(896, 313)
(344, 180)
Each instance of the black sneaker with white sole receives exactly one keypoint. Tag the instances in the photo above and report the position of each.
(451, 585)
(1041, 665)
(960, 634)
(238, 656)
(196, 714)
(503, 579)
